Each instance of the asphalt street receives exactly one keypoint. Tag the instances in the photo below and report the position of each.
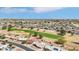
(22, 46)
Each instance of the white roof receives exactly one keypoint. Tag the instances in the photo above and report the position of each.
(22, 38)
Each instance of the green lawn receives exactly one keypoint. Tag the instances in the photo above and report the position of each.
(48, 35)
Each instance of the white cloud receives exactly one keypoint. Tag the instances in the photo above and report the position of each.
(21, 10)
(9, 10)
(46, 9)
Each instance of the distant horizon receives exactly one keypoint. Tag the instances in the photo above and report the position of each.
(38, 19)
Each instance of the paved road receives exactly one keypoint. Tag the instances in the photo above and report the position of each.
(22, 46)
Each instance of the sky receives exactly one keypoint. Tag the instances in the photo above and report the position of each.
(40, 12)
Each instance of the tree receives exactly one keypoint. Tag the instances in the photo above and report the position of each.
(40, 36)
(37, 29)
(62, 32)
(29, 35)
(72, 33)
(9, 27)
(4, 27)
(35, 34)
(31, 28)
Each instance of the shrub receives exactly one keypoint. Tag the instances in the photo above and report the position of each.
(62, 32)
(2, 36)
